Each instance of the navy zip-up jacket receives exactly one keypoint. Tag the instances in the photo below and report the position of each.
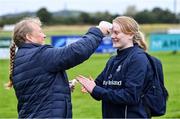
(40, 80)
(120, 84)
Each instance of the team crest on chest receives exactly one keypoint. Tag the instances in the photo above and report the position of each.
(119, 68)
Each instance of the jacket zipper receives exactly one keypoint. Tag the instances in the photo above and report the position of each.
(126, 112)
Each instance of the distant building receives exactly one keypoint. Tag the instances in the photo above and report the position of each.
(8, 27)
(4, 47)
(173, 31)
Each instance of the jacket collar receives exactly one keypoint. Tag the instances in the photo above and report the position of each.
(125, 52)
(29, 45)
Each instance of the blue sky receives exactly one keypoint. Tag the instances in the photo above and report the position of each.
(113, 6)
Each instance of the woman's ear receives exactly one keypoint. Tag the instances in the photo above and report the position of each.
(28, 37)
(132, 36)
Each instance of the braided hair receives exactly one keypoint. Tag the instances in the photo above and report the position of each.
(12, 57)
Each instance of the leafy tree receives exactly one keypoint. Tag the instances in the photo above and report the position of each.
(157, 15)
(131, 11)
(145, 17)
(84, 18)
(44, 15)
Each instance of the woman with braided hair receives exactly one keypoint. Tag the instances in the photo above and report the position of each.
(37, 71)
(121, 83)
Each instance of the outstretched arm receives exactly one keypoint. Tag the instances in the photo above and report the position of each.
(56, 59)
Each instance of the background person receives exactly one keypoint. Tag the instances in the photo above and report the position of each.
(121, 83)
(37, 71)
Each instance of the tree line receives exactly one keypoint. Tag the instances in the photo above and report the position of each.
(156, 15)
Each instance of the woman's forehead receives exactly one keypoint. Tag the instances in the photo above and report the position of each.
(116, 26)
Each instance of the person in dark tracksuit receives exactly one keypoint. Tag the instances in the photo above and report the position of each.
(122, 81)
(38, 71)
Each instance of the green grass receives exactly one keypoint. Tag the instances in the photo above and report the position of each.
(7, 97)
(83, 104)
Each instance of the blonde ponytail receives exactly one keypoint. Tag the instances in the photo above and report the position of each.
(140, 40)
(12, 57)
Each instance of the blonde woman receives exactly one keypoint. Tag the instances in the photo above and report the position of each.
(121, 83)
(38, 71)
